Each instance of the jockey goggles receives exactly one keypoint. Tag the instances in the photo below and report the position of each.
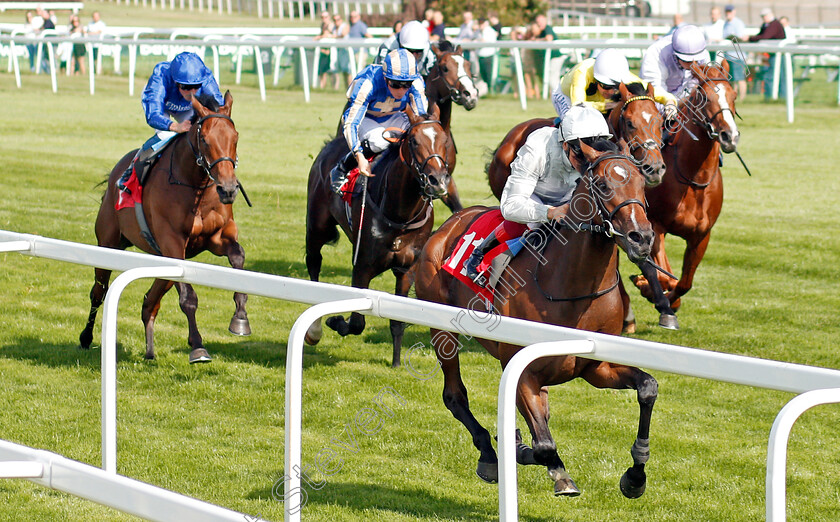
(396, 84)
(189, 87)
(607, 86)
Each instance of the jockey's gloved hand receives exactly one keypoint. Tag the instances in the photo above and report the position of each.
(670, 111)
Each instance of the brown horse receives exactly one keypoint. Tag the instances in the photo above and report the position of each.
(688, 201)
(183, 216)
(574, 284)
(398, 220)
(634, 118)
(450, 80)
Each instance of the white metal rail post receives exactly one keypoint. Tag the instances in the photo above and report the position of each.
(294, 394)
(506, 423)
(777, 446)
(109, 354)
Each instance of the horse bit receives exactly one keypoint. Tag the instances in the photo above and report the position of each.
(421, 167)
(200, 160)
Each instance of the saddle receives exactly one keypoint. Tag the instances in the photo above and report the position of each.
(146, 160)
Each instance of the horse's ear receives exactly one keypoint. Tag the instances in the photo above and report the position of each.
(436, 50)
(698, 70)
(623, 90)
(650, 90)
(724, 65)
(588, 152)
(434, 111)
(624, 147)
(412, 116)
(458, 50)
(200, 109)
(228, 103)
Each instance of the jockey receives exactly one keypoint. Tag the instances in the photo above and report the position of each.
(378, 98)
(666, 63)
(595, 81)
(542, 179)
(415, 38)
(168, 96)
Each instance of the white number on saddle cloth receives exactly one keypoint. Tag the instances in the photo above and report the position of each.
(469, 242)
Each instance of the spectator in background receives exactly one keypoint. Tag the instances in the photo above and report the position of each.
(398, 25)
(31, 28)
(786, 24)
(468, 32)
(771, 29)
(734, 29)
(714, 29)
(437, 33)
(325, 64)
(495, 23)
(429, 20)
(486, 33)
(342, 29)
(546, 34)
(678, 22)
(95, 28)
(49, 23)
(77, 62)
(358, 29)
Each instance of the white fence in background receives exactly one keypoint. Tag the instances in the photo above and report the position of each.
(818, 385)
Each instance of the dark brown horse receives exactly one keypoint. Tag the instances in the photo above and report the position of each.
(398, 218)
(573, 283)
(688, 201)
(634, 118)
(185, 217)
(450, 80)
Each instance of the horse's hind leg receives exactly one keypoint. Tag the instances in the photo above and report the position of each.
(694, 253)
(532, 401)
(320, 230)
(97, 295)
(362, 274)
(405, 278)
(606, 375)
(456, 401)
(188, 300)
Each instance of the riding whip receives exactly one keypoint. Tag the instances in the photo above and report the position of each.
(742, 163)
(244, 195)
(361, 218)
(667, 273)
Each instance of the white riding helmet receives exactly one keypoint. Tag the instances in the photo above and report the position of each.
(689, 43)
(583, 121)
(414, 36)
(611, 67)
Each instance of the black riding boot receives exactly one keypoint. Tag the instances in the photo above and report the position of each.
(477, 256)
(338, 175)
(139, 163)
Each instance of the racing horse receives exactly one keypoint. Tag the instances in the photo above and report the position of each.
(688, 201)
(399, 216)
(450, 80)
(183, 216)
(574, 284)
(633, 118)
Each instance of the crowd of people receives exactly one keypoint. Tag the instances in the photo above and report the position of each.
(70, 56)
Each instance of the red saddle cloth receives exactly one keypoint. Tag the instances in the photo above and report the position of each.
(126, 200)
(480, 229)
(349, 187)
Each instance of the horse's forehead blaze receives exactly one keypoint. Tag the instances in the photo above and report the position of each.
(430, 133)
(720, 90)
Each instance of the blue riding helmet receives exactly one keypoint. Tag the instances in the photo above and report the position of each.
(400, 66)
(188, 69)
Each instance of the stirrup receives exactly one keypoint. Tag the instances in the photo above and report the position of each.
(472, 267)
(337, 179)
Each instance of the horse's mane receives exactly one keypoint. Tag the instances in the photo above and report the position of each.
(208, 101)
(445, 46)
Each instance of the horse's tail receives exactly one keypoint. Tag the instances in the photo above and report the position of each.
(488, 156)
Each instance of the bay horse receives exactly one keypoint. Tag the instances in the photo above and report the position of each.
(573, 284)
(688, 201)
(398, 220)
(450, 80)
(633, 118)
(183, 216)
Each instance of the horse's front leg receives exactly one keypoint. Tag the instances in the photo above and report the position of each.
(532, 401)
(239, 324)
(694, 253)
(667, 317)
(188, 300)
(456, 401)
(97, 295)
(363, 272)
(615, 376)
(151, 305)
(404, 278)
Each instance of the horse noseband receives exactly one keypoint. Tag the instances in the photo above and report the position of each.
(200, 160)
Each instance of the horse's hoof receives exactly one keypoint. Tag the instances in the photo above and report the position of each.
(239, 327)
(149, 356)
(199, 355)
(669, 322)
(629, 327)
(85, 339)
(632, 483)
(488, 471)
(314, 333)
(566, 488)
(338, 324)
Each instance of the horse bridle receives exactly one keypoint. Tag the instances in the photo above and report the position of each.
(200, 159)
(706, 122)
(634, 145)
(454, 93)
(416, 166)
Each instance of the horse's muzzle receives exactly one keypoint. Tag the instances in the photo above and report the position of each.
(227, 193)
(437, 185)
(470, 101)
(653, 174)
(728, 141)
(638, 243)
